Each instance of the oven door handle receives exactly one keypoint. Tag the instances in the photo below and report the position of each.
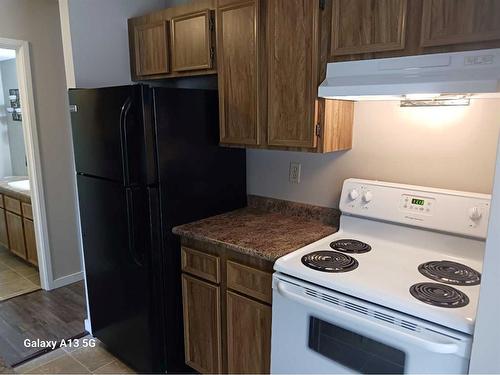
(436, 345)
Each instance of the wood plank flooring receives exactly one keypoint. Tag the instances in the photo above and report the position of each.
(54, 315)
(81, 360)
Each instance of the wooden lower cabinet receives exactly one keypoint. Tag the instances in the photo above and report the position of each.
(29, 236)
(227, 319)
(248, 335)
(4, 238)
(16, 234)
(17, 230)
(202, 331)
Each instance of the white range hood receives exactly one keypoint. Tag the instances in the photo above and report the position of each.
(475, 73)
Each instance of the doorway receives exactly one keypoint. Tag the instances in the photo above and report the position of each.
(24, 250)
(18, 259)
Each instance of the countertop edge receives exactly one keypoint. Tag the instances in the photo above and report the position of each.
(244, 250)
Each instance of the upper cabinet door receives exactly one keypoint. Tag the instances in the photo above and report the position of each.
(362, 26)
(447, 22)
(293, 49)
(151, 48)
(190, 41)
(239, 72)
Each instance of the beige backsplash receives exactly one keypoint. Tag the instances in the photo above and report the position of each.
(445, 147)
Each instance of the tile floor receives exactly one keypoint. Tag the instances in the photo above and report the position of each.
(16, 276)
(79, 360)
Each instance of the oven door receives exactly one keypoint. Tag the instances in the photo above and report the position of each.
(316, 330)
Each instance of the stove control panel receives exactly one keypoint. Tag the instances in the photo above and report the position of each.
(422, 205)
(437, 209)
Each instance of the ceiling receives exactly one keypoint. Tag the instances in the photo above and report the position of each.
(7, 54)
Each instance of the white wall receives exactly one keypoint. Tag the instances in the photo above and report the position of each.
(37, 23)
(15, 128)
(5, 164)
(452, 148)
(99, 39)
(485, 357)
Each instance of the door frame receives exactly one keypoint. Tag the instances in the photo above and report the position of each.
(30, 132)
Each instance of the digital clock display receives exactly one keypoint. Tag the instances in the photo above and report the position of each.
(418, 202)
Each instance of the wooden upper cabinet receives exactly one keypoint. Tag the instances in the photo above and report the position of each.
(446, 22)
(240, 72)
(362, 26)
(151, 48)
(191, 41)
(292, 42)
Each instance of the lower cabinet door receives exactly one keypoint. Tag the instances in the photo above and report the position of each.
(16, 234)
(202, 327)
(4, 237)
(29, 235)
(248, 335)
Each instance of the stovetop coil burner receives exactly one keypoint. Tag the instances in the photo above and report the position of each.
(439, 295)
(329, 261)
(449, 272)
(350, 246)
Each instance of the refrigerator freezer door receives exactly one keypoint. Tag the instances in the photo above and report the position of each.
(108, 133)
(115, 234)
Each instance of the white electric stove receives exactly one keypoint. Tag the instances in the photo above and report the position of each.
(395, 290)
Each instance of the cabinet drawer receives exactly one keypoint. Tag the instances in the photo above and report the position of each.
(1, 201)
(12, 205)
(27, 210)
(200, 264)
(250, 281)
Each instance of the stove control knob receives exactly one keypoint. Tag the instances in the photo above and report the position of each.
(475, 214)
(368, 196)
(353, 194)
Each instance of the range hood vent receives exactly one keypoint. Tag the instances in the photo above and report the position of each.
(475, 73)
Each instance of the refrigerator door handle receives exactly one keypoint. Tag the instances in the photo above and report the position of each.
(131, 226)
(123, 134)
(155, 234)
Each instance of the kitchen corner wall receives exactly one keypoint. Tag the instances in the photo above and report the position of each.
(38, 23)
(95, 38)
(443, 147)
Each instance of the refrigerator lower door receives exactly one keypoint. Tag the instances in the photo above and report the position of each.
(114, 229)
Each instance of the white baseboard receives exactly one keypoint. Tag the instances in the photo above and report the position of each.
(68, 279)
(88, 326)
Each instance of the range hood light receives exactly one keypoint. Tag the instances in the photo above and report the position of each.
(421, 96)
(435, 100)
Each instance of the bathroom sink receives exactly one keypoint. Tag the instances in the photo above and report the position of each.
(21, 185)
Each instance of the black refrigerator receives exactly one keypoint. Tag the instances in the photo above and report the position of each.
(147, 159)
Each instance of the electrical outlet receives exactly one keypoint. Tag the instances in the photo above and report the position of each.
(294, 173)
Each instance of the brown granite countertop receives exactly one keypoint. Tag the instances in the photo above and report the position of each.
(266, 230)
(5, 188)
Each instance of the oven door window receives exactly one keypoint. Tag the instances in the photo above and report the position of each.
(353, 350)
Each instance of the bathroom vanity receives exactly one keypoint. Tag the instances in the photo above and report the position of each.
(17, 231)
